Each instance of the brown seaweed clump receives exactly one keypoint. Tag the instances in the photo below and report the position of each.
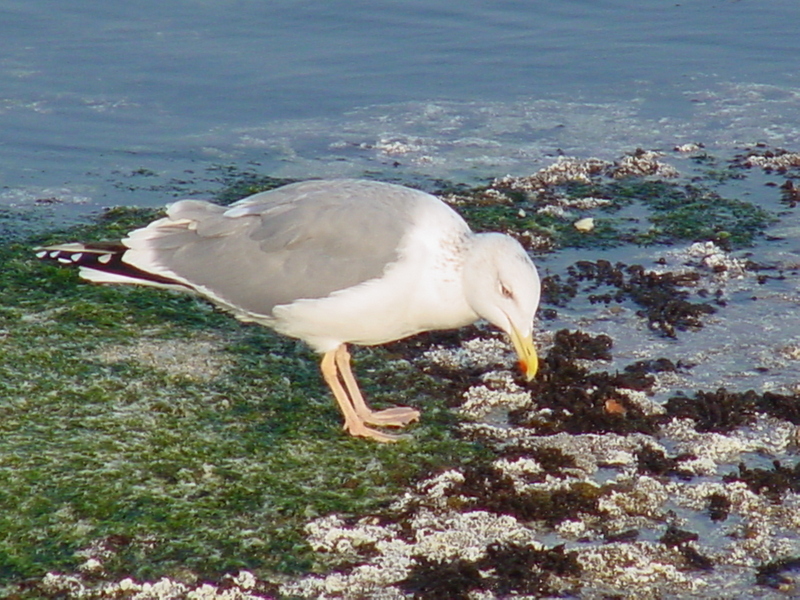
(654, 461)
(717, 412)
(510, 570)
(683, 542)
(773, 483)
(662, 297)
(431, 579)
(570, 398)
(723, 411)
(486, 488)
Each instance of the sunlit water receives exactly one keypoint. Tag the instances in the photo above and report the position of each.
(92, 92)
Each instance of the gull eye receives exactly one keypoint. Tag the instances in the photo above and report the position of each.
(507, 293)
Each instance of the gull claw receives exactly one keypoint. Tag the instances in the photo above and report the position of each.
(361, 430)
(398, 416)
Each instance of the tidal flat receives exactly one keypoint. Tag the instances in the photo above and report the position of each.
(153, 447)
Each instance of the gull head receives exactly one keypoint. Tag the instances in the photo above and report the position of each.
(502, 286)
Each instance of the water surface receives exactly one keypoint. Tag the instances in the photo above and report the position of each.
(92, 92)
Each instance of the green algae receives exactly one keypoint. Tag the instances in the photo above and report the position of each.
(237, 183)
(177, 473)
(638, 211)
(185, 476)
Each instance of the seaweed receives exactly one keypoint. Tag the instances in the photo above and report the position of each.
(432, 580)
(719, 412)
(662, 297)
(580, 401)
(773, 483)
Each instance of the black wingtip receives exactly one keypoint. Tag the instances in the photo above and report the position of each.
(83, 255)
(102, 258)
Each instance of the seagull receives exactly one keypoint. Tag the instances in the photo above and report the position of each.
(332, 262)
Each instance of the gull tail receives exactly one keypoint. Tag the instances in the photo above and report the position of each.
(104, 262)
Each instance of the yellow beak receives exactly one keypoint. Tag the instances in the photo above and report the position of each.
(528, 360)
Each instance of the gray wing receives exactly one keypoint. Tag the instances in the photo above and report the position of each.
(304, 240)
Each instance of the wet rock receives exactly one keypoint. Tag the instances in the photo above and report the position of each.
(641, 163)
(553, 461)
(773, 483)
(719, 507)
(682, 541)
(675, 537)
(773, 575)
(780, 406)
(658, 365)
(770, 160)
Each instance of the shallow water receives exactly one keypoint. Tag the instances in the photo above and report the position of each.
(94, 95)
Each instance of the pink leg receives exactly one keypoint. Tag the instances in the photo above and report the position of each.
(353, 423)
(399, 416)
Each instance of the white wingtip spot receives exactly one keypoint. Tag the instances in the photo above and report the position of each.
(104, 259)
(41, 254)
(76, 257)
